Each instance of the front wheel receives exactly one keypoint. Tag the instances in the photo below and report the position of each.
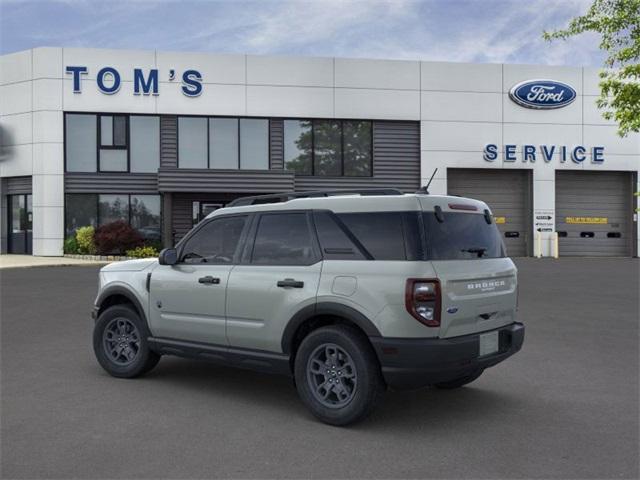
(337, 375)
(120, 343)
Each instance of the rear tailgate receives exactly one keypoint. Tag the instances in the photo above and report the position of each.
(477, 295)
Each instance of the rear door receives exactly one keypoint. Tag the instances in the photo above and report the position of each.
(279, 276)
(478, 283)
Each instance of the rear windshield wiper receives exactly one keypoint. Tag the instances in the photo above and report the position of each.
(479, 250)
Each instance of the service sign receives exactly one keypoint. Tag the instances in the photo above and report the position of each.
(544, 220)
(542, 94)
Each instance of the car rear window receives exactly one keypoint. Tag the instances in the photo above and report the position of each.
(461, 236)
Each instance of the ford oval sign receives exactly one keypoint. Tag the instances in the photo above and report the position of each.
(542, 94)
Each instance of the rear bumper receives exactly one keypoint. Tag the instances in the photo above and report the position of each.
(409, 363)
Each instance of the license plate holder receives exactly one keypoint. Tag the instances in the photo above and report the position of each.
(489, 343)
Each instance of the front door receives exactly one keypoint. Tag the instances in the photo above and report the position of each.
(187, 300)
(20, 222)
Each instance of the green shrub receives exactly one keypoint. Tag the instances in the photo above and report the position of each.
(84, 237)
(142, 252)
(71, 245)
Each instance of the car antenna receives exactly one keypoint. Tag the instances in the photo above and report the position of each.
(425, 190)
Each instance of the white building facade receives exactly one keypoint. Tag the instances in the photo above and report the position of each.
(159, 139)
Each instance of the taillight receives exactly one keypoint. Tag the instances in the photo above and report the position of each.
(422, 299)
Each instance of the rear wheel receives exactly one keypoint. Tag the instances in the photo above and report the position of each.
(459, 382)
(120, 343)
(337, 375)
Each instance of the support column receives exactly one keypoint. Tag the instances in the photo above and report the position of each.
(544, 205)
(4, 227)
(167, 220)
(636, 213)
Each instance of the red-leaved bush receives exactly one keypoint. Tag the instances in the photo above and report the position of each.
(116, 238)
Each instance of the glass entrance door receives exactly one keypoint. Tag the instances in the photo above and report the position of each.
(20, 223)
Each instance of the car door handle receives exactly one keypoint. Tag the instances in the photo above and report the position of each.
(290, 282)
(209, 280)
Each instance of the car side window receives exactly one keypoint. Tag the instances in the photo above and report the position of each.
(334, 240)
(216, 242)
(381, 233)
(283, 239)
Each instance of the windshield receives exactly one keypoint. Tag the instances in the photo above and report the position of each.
(462, 236)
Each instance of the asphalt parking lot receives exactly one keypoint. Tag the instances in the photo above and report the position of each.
(565, 407)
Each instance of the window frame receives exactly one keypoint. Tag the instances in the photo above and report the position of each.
(98, 115)
(238, 142)
(241, 241)
(341, 121)
(101, 147)
(247, 251)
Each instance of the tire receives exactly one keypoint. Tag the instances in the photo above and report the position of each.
(123, 324)
(459, 382)
(342, 355)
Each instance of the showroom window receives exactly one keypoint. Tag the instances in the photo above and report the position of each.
(80, 142)
(144, 143)
(298, 146)
(223, 143)
(331, 148)
(112, 143)
(142, 212)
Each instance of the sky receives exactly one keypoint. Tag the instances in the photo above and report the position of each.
(487, 31)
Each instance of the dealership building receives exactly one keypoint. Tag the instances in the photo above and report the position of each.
(160, 139)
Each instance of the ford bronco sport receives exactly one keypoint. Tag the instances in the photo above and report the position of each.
(349, 293)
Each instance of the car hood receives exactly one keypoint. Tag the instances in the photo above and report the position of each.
(130, 265)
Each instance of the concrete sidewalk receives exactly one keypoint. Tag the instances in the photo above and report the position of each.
(25, 261)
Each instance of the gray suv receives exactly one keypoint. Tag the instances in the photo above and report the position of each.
(350, 293)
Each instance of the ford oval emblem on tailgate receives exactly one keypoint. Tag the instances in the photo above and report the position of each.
(452, 310)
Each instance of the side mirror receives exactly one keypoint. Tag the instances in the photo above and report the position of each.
(168, 256)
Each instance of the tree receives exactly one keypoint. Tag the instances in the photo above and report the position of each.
(618, 23)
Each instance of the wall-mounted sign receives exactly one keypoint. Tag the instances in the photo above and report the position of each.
(546, 153)
(544, 220)
(542, 94)
(500, 220)
(108, 80)
(587, 220)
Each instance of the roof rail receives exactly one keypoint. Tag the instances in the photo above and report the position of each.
(286, 196)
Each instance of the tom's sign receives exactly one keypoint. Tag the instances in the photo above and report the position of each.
(542, 94)
(108, 80)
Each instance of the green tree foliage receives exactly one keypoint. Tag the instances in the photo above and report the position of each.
(618, 23)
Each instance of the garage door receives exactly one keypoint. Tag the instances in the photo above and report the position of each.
(594, 213)
(507, 192)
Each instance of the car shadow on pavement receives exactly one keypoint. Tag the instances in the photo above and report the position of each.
(399, 410)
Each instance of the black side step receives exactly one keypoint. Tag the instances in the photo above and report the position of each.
(259, 360)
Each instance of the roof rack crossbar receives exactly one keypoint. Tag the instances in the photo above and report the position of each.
(286, 196)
